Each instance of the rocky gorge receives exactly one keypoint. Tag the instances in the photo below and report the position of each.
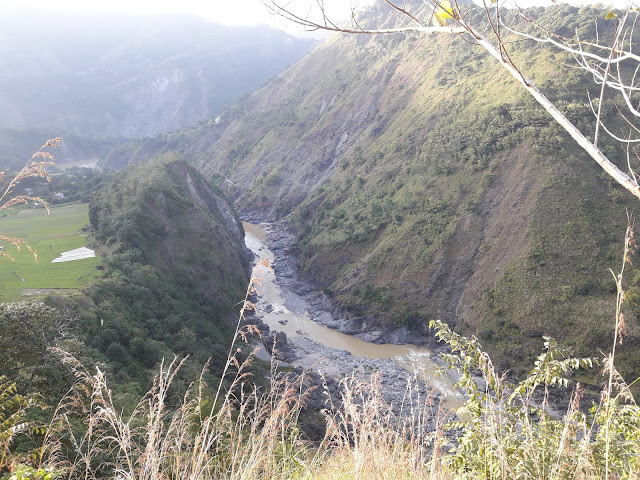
(303, 328)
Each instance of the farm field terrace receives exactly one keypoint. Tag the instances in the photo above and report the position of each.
(49, 235)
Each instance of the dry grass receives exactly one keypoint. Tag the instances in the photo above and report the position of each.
(236, 432)
(35, 167)
(240, 432)
(367, 438)
(246, 435)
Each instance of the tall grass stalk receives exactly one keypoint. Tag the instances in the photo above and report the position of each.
(35, 167)
(505, 430)
(619, 330)
(369, 438)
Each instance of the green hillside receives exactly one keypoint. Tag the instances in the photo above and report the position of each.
(174, 271)
(171, 270)
(423, 183)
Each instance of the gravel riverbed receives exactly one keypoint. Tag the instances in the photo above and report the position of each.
(327, 366)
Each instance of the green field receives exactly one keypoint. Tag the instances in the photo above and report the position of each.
(49, 235)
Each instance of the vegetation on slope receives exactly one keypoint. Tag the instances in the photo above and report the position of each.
(173, 266)
(505, 430)
(424, 185)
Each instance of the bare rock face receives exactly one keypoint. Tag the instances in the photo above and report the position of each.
(162, 103)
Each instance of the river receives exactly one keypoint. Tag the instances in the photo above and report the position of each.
(284, 311)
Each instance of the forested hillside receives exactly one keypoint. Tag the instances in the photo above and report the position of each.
(173, 268)
(422, 184)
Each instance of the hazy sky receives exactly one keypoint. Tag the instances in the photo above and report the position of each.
(230, 12)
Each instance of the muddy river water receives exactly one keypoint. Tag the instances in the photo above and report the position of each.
(284, 311)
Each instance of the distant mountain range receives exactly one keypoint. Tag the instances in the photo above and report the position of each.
(110, 76)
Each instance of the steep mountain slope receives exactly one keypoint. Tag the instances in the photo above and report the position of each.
(126, 76)
(174, 269)
(422, 183)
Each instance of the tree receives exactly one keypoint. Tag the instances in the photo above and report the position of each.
(613, 65)
(29, 331)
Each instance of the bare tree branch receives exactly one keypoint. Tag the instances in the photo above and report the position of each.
(606, 74)
(603, 75)
(549, 38)
(275, 9)
(404, 12)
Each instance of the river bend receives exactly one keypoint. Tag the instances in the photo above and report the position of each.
(285, 311)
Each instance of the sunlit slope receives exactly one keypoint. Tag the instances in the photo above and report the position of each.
(422, 184)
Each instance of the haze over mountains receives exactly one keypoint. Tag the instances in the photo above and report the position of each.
(112, 76)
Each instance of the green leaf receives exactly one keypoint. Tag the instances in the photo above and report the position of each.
(611, 16)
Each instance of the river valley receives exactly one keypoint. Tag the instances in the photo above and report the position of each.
(328, 351)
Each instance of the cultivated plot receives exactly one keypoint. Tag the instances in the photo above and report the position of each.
(51, 236)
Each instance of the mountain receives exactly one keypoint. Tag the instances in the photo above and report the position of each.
(422, 183)
(174, 267)
(105, 75)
